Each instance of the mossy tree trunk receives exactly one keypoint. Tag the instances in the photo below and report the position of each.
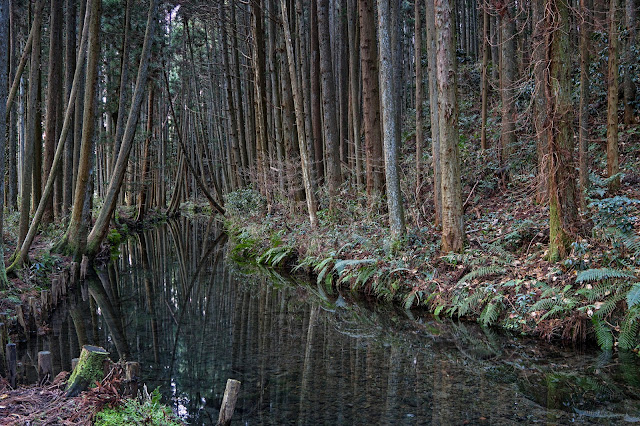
(90, 369)
(556, 87)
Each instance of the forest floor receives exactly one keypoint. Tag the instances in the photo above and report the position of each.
(502, 278)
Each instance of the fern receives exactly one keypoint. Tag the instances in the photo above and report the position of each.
(604, 337)
(502, 255)
(544, 304)
(629, 329)
(633, 296)
(481, 272)
(340, 265)
(602, 274)
(491, 312)
(609, 305)
(598, 292)
(469, 303)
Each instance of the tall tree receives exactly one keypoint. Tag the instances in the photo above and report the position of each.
(331, 135)
(559, 135)
(485, 75)
(452, 214)
(630, 59)
(70, 68)
(4, 84)
(583, 132)
(417, 40)
(613, 165)
(430, 21)
(32, 138)
(390, 118)
(54, 96)
(310, 196)
(370, 98)
(507, 81)
(539, 46)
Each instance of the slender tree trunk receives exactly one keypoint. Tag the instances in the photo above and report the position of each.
(70, 55)
(390, 122)
(485, 76)
(106, 212)
(297, 99)
(237, 89)
(260, 90)
(613, 166)
(31, 137)
(419, 95)
(354, 88)
(124, 83)
(630, 59)
(583, 135)
(235, 146)
(370, 99)
(452, 214)
(144, 173)
(4, 83)
(507, 89)
(539, 51)
(331, 135)
(54, 95)
(316, 107)
(12, 196)
(556, 86)
(433, 108)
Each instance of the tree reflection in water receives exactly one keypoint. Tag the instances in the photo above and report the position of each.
(193, 318)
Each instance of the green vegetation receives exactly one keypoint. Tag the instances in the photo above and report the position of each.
(133, 412)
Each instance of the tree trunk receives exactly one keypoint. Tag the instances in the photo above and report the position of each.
(419, 95)
(613, 166)
(4, 83)
(75, 239)
(390, 122)
(297, 99)
(538, 48)
(354, 90)
(31, 137)
(370, 99)
(144, 173)
(485, 76)
(433, 108)
(556, 86)
(583, 135)
(101, 225)
(630, 59)
(54, 96)
(507, 89)
(231, 128)
(12, 196)
(124, 83)
(316, 107)
(331, 135)
(452, 214)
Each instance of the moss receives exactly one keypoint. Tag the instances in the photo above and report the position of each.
(133, 412)
(89, 369)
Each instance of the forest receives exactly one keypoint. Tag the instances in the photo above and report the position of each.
(478, 159)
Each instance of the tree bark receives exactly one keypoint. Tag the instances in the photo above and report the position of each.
(4, 83)
(507, 89)
(354, 90)
(299, 109)
(556, 87)
(70, 55)
(316, 107)
(390, 122)
(630, 59)
(452, 214)
(124, 83)
(538, 48)
(54, 96)
(583, 135)
(485, 76)
(370, 100)
(331, 135)
(613, 166)
(419, 95)
(433, 108)
(144, 173)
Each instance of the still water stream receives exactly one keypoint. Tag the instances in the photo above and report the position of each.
(193, 318)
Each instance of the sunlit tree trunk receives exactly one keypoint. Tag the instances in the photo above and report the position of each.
(559, 117)
(390, 122)
(613, 166)
(452, 214)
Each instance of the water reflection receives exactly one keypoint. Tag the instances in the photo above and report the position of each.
(193, 319)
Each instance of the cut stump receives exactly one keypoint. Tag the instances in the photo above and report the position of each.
(88, 371)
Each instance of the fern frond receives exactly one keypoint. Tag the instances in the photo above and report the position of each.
(491, 312)
(340, 265)
(481, 272)
(602, 274)
(544, 304)
(470, 303)
(633, 296)
(629, 329)
(609, 305)
(604, 337)
(502, 255)
(598, 292)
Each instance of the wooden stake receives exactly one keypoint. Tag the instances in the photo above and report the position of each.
(132, 373)
(45, 367)
(12, 364)
(228, 402)
(21, 319)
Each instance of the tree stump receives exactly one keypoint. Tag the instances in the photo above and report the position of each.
(228, 402)
(132, 373)
(89, 369)
(12, 364)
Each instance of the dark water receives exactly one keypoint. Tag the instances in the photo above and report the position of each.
(193, 318)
